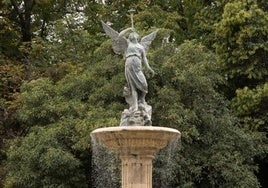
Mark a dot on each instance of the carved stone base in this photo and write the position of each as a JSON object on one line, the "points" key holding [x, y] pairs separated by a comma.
{"points": [[141, 117]]}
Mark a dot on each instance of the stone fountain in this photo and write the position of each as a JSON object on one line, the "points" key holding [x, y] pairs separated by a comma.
{"points": [[135, 139], [137, 146]]}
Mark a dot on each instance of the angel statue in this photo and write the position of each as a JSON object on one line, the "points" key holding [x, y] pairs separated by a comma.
{"points": [[134, 52]]}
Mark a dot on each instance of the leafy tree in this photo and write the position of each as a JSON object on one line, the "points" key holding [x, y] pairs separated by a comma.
{"points": [[34, 16], [249, 105], [243, 53], [242, 48], [242, 31], [51, 107], [11, 77], [45, 160], [212, 151]]}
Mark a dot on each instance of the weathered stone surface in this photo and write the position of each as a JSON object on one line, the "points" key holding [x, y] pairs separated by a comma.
{"points": [[137, 171], [141, 117]]}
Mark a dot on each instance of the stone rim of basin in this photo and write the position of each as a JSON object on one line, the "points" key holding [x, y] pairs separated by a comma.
{"points": [[135, 139]]}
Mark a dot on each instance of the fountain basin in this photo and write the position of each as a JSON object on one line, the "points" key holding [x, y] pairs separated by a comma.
{"points": [[135, 139]]}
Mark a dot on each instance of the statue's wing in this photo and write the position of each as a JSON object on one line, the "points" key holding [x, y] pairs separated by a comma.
{"points": [[110, 31], [147, 40], [119, 44]]}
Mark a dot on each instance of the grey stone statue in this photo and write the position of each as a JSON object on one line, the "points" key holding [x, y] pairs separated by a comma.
{"points": [[139, 112]]}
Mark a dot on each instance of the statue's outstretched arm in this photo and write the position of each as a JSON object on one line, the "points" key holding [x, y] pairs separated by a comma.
{"points": [[124, 32], [145, 61]]}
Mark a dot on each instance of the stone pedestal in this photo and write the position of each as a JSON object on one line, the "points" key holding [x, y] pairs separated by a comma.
{"points": [[136, 171], [137, 146]]}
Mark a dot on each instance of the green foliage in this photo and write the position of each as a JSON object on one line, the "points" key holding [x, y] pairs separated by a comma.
{"points": [[43, 159], [250, 106], [70, 108], [10, 81], [188, 101], [205, 17], [242, 34], [242, 48], [11, 76], [155, 16]]}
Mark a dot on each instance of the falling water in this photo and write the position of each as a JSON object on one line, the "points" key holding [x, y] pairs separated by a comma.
{"points": [[106, 167], [164, 165]]}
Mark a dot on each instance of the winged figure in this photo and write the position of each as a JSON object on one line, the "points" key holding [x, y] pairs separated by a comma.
{"points": [[134, 53]]}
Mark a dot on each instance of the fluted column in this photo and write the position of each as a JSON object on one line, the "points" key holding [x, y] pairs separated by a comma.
{"points": [[137, 171]]}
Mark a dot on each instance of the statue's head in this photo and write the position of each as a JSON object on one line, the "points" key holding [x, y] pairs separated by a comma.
{"points": [[133, 37]]}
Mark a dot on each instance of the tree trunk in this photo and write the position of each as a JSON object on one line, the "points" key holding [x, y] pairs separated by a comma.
{"points": [[24, 17]]}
